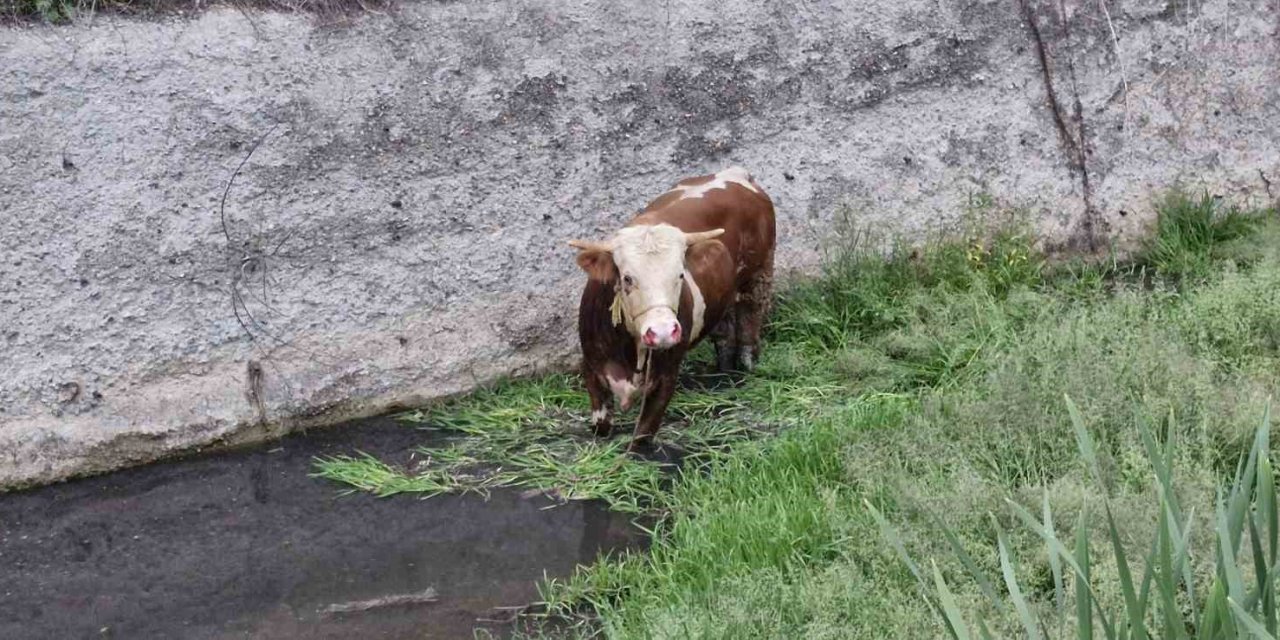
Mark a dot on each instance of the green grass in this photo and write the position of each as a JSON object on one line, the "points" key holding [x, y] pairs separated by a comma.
{"points": [[1161, 603], [532, 434], [524, 434], [929, 385]]}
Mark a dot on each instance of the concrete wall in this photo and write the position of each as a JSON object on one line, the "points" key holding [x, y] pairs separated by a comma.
{"points": [[400, 232]]}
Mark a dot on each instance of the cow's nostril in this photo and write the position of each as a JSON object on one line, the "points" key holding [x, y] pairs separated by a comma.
{"points": [[650, 337], [675, 332]]}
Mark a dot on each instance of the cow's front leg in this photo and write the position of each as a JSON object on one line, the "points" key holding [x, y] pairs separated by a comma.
{"points": [[601, 405], [656, 399]]}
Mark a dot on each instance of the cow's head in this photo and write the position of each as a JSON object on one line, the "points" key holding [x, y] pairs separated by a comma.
{"points": [[645, 265]]}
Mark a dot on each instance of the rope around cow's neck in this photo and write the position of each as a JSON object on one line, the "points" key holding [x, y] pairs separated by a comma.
{"points": [[644, 382], [618, 311]]}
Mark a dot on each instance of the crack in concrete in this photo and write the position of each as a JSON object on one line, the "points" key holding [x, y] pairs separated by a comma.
{"points": [[1075, 149], [254, 390]]}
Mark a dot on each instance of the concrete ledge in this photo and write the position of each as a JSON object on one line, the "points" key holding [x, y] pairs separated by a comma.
{"points": [[398, 234]]}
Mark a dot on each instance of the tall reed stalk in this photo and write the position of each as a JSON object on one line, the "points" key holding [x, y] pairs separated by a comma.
{"points": [[1162, 602]]}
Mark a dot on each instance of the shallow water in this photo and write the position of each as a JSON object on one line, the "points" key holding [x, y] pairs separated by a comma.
{"points": [[245, 545]]}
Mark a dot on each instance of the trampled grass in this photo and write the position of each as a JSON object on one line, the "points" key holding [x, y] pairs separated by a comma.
{"points": [[532, 434], [930, 385]]}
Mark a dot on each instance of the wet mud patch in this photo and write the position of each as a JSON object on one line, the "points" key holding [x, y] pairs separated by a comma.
{"points": [[247, 544]]}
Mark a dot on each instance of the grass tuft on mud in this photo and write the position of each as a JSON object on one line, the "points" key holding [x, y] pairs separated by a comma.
{"points": [[533, 434], [928, 386]]}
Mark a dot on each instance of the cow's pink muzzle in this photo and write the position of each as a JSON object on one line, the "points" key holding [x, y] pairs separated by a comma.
{"points": [[662, 336]]}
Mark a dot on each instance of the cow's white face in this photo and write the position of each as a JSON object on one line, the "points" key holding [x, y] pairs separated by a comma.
{"points": [[650, 261], [646, 266]]}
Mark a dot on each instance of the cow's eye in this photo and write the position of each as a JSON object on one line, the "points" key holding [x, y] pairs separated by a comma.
{"points": [[627, 280], [682, 276]]}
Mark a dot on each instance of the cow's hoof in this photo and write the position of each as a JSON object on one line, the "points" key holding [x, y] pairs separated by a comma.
{"points": [[724, 360], [601, 423], [748, 360], [640, 446]]}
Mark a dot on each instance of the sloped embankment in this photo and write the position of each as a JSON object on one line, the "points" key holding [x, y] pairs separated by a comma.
{"points": [[223, 225]]}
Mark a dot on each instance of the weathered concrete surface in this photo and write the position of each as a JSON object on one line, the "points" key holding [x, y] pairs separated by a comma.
{"points": [[400, 232]]}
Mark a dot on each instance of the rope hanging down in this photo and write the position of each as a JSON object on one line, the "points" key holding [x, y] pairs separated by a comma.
{"points": [[617, 314], [641, 352]]}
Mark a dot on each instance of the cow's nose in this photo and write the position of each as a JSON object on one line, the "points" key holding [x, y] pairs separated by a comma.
{"points": [[650, 338], [675, 333]]}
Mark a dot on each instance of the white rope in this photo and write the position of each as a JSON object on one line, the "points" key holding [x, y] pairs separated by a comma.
{"points": [[644, 383]]}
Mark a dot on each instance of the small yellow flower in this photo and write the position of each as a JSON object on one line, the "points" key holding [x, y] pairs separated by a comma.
{"points": [[976, 253]]}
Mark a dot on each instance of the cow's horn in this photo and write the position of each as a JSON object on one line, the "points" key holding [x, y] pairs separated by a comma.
{"points": [[591, 245], [694, 238]]}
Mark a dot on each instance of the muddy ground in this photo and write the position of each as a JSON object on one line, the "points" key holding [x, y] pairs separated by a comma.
{"points": [[245, 544]]}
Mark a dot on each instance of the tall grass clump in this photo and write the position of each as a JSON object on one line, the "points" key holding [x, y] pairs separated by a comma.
{"points": [[49, 11], [865, 290], [1189, 232], [1159, 588]]}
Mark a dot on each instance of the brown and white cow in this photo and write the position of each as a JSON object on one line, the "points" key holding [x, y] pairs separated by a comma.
{"points": [[697, 261]]}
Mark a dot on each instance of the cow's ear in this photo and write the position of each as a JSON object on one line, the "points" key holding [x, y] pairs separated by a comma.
{"points": [[599, 265], [697, 251], [596, 258]]}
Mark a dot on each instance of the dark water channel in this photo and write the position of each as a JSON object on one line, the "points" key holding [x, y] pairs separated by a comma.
{"points": [[245, 545]]}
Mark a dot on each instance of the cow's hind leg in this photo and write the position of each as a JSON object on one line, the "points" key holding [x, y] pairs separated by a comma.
{"points": [[750, 313], [724, 337], [601, 404]]}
